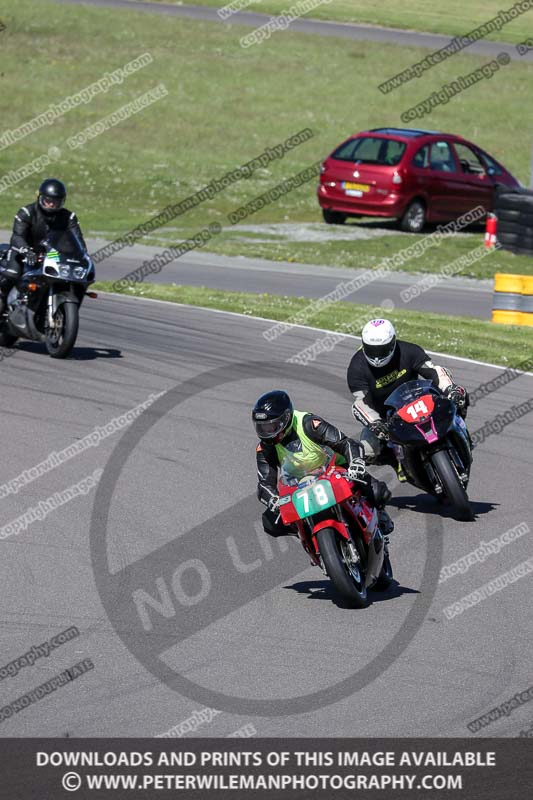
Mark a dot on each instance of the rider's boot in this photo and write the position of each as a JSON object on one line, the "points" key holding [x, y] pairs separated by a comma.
{"points": [[400, 473], [386, 525]]}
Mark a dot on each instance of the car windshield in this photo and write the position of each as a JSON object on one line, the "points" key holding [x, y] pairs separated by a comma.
{"points": [[371, 150], [66, 243], [408, 392]]}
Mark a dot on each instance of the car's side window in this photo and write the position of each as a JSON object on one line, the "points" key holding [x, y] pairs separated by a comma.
{"points": [[469, 160], [495, 169], [421, 159], [441, 158]]}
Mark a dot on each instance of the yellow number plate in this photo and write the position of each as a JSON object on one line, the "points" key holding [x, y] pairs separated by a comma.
{"points": [[362, 187]]}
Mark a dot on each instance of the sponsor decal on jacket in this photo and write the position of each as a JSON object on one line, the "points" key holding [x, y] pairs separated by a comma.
{"points": [[390, 378]]}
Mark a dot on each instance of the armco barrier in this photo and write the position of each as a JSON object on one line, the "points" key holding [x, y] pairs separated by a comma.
{"points": [[526, 301], [512, 302]]}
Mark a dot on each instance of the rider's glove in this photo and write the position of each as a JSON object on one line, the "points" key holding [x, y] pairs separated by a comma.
{"points": [[357, 470], [273, 503], [29, 256], [457, 394], [380, 429]]}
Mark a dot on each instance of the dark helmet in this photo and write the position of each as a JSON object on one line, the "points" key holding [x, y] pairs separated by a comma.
{"points": [[52, 194], [272, 415]]}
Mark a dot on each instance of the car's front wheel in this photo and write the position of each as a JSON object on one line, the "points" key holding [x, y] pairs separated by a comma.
{"points": [[414, 218], [333, 217]]}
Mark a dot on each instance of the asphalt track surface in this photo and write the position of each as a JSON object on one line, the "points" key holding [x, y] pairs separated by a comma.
{"points": [[455, 296], [342, 30], [181, 519]]}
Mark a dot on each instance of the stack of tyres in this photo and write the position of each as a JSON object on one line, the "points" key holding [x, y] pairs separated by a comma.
{"points": [[515, 221]]}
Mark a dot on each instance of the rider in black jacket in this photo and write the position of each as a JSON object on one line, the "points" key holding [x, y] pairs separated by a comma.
{"points": [[31, 225], [381, 365]]}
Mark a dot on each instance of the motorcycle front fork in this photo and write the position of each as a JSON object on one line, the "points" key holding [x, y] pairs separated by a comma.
{"points": [[51, 309]]}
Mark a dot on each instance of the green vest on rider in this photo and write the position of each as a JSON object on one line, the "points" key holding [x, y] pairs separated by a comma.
{"points": [[311, 456]]}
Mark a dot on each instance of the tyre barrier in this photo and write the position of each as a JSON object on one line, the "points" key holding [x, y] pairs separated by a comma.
{"points": [[512, 302], [514, 210]]}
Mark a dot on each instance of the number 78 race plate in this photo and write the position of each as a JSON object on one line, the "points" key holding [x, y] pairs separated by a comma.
{"points": [[313, 498]]}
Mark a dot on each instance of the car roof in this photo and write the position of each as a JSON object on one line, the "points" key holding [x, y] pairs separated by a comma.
{"points": [[410, 136], [407, 132]]}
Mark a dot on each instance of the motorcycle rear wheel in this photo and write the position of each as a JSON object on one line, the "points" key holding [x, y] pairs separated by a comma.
{"points": [[455, 491], [347, 579], [7, 339], [62, 339]]}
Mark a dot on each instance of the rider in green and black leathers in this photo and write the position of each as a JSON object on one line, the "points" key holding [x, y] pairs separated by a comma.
{"points": [[281, 430], [31, 225]]}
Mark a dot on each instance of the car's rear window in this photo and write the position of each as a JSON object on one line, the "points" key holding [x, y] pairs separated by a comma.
{"points": [[371, 150]]}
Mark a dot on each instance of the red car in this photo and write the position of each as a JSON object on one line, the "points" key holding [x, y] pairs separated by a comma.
{"points": [[416, 176]]}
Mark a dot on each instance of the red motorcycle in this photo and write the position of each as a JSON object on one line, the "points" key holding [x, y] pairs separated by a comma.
{"points": [[338, 529]]}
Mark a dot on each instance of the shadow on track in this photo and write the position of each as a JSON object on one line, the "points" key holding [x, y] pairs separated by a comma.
{"points": [[78, 354], [323, 590], [427, 504]]}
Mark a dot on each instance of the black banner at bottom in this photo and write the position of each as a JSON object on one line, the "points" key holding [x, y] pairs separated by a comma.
{"points": [[291, 769]]}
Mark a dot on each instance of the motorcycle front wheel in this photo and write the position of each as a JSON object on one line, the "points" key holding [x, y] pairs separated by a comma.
{"points": [[454, 489], [344, 574], [62, 337]]}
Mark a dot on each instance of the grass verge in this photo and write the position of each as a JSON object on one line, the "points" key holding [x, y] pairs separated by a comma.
{"points": [[225, 105], [461, 336]]}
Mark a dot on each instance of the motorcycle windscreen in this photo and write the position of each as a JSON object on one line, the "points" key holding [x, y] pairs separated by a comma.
{"points": [[409, 392], [66, 243], [304, 473], [298, 463]]}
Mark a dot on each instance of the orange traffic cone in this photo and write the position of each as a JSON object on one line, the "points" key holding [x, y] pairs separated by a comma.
{"points": [[490, 230]]}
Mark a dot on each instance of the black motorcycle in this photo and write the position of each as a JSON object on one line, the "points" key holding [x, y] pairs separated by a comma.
{"points": [[431, 441], [44, 305]]}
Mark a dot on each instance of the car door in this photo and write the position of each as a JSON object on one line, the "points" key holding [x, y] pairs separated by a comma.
{"points": [[446, 185], [420, 175], [477, 187]]}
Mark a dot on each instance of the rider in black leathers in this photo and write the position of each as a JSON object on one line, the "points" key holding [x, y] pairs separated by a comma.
{"points": [[383, 363], [31, 225]]}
